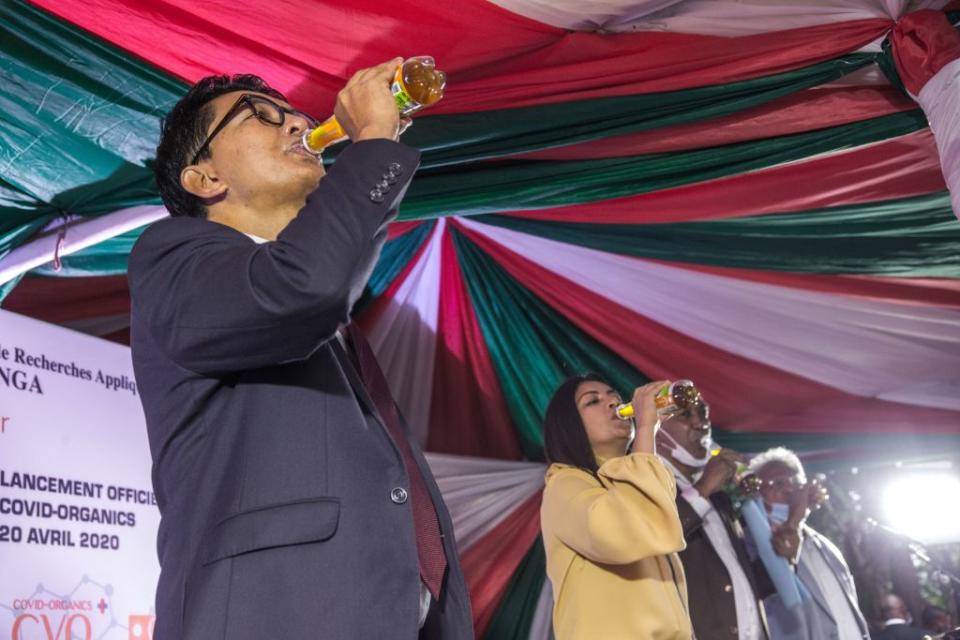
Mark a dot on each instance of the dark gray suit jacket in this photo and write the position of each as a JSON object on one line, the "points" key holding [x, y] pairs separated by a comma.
{"points": [[273, 472]]}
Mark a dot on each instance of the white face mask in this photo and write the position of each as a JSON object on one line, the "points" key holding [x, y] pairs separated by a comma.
{"points": [[779, 512], [681, 455]]}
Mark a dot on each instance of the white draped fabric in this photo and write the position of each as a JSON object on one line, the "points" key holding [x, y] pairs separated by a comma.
{"points": [[62, 240], [404, 337], [707, 17], [871, 348], [481, 492], [940, 100]]}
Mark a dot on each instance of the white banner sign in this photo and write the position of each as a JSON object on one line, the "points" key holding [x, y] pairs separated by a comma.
{"points": [[78, 517]]}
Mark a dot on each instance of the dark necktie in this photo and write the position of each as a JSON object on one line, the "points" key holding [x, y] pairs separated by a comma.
{"points": [[433, 560]]}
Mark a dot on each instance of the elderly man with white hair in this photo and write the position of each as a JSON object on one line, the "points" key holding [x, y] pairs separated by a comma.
{"points": [[829, 608]]}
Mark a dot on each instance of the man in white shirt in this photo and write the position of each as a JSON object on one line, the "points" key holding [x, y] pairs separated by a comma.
{"points": [[720, 581]]}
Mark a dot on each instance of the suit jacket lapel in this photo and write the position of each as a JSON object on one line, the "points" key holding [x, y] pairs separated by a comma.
{"points": [[360, 390], [839, 570], [354, 377]]}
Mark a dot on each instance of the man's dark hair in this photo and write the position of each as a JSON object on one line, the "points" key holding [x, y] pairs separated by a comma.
{"points": [[564, 436], [184, 130]]}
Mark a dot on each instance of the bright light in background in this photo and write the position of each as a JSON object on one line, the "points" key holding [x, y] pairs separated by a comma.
{"points": [[923, 505]]}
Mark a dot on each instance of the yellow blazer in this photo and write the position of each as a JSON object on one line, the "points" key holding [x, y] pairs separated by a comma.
{"points": [[611, 551]]}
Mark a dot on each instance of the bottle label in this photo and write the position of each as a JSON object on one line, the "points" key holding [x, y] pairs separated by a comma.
{"points": [[405, 104], [664, 400]]}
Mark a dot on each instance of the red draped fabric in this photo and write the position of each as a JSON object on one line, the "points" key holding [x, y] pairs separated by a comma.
{"points": [[923, 43]]}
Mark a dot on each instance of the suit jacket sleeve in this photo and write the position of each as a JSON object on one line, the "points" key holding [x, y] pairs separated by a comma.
{"points": [[215, 302]]}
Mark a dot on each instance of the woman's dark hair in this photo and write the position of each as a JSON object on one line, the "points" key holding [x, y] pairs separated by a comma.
{"points": [[564, 437], [184, 130]]}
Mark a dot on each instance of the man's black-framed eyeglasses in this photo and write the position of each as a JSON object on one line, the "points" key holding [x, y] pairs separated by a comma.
{"points": [[265, 110]]}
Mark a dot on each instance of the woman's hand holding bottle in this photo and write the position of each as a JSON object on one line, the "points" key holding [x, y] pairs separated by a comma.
{"points": [[647, 419]]}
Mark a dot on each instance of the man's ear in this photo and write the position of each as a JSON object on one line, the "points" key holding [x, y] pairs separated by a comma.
{"points": [[202, 182]]}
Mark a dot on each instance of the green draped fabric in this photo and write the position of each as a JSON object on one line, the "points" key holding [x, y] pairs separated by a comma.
{"points": [[910, 237], [514, 185], [21, 226], [515, 321]]}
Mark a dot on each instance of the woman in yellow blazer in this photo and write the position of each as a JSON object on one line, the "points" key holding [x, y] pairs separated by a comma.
{"points": [[609, 519]]}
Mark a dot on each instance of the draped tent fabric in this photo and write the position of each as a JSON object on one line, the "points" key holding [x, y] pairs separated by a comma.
{"points": [[710, 17], [507, 60], [940, 99], [675, 297], [818, 107], [778, 397], [899, 167], [494, 505], [403, 335], [729, 191]]}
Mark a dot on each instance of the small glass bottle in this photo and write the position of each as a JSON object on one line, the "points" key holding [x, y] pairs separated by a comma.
{"points": [[671, 399], [417, 84]]}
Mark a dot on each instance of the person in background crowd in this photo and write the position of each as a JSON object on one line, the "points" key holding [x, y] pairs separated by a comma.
{"points": [[935, 619], [609, 517], [720, 576], [830, 609], [896, 620]]}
